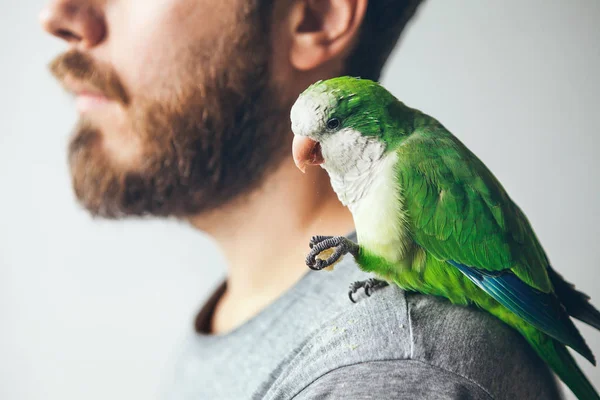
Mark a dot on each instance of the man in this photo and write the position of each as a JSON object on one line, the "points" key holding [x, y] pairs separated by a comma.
{"points": [[184, 111]]}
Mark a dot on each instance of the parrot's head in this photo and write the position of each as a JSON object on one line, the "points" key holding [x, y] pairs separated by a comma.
{"points": [[343, 124]]}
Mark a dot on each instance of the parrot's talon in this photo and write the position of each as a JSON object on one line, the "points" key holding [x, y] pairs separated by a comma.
{"points": [[369, 286], [318, 244], [319, 265], [350, 296]]}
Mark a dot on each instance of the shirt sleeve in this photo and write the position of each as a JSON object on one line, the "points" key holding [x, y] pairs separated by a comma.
{"points": [[395, 379]]}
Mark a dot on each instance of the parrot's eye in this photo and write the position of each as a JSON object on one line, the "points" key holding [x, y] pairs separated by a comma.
{"points": [[333, 124]]}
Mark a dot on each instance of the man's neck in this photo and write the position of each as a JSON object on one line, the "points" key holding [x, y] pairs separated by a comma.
{"points": [[265, 239]]}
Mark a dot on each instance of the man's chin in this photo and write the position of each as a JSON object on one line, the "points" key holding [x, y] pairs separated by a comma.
{"points": [[97, 171], [113, 138], [122, 153], [113, 178]]}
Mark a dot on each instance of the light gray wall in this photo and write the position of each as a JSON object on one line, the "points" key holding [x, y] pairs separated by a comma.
{"points": [[92, 309]]}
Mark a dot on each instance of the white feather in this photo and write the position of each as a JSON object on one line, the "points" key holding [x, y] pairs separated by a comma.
{"points": [[364, 178]]}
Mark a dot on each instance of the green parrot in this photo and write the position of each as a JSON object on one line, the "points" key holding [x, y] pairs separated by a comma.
{"points": [[431, 218]]}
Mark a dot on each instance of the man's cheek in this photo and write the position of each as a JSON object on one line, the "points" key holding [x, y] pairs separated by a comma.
{"points": [[152, 75], [142, 53]]}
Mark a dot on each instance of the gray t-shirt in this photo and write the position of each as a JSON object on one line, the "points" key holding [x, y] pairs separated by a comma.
{"points": [[313, 343]]}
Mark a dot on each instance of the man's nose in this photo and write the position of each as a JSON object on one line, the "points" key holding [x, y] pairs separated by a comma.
{"points": [[76, 21]]}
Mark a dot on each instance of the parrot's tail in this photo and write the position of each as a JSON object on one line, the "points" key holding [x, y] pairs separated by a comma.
{"points": [[576, 303], [556, 355]]}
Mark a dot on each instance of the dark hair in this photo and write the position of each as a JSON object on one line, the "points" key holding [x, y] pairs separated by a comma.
{"points": [[384, 22]]}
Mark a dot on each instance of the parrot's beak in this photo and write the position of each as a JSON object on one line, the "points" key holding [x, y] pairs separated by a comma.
{"points": [[306, 152]]}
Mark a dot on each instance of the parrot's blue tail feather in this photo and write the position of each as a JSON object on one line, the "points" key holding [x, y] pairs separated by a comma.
{"points": [[576, 303], [542, 310]]}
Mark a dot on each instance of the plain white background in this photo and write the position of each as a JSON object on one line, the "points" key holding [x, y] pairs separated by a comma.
{"points": [[95, 309]]}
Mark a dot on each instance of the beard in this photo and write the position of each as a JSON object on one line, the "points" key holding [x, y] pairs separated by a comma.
{"points": [[212, 140]]}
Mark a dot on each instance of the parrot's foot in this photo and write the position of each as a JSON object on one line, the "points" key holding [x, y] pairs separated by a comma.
{"points": [[318, 244], [369, 285]]}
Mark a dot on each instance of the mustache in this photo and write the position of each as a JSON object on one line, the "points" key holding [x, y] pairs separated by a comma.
{"points": [[83, 68]]}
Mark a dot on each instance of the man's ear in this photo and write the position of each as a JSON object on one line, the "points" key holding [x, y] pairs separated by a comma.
{"points": [[323, 30]]}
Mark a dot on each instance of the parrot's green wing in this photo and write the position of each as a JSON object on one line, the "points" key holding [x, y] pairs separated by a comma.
{"points": [[460, 213]]}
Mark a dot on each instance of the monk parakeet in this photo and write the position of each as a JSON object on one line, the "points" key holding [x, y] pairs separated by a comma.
{"points": [[431, 218]]}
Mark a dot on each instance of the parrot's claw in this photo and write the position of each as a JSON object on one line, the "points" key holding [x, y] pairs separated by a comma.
{"points": [[318, 244], [369, 285]]}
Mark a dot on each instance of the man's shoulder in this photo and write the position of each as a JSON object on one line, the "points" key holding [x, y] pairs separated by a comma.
{"points": [[395, 324], [474, 344], [397, 327]]}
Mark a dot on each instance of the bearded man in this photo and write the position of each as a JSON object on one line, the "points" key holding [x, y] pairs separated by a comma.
{"points": [[184, 112]]}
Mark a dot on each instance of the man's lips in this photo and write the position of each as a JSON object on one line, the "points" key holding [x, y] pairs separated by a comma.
{"points": [[86, 101], [306, 152], [87, 96]]}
